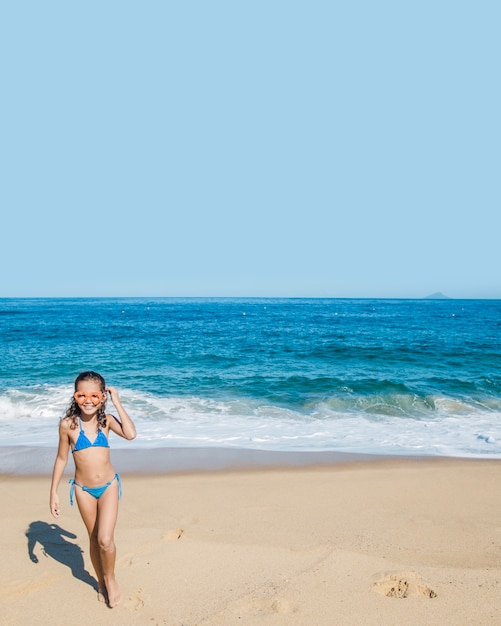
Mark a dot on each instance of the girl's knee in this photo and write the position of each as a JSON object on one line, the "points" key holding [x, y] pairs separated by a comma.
{"points": [[106, 542]]}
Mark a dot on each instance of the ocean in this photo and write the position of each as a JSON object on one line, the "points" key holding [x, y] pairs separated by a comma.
{"points": [[364, 376]]}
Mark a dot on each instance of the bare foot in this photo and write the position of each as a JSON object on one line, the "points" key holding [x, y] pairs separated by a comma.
{"points": [[102, 594], [114, 595]]}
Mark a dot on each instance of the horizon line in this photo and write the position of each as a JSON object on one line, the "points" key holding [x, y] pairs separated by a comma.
{"points": [[129, 297]]}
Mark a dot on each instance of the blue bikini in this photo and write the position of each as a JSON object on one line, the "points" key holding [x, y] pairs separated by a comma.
{"points": [[82, 443]]}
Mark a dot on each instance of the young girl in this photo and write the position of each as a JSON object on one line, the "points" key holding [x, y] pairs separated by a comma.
{"points": [[96, 486]]}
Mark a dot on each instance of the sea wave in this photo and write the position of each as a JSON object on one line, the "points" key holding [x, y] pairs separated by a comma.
{"points": [[398, 422]]}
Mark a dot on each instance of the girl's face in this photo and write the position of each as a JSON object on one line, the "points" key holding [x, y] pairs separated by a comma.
{"points": [[89, 397]]}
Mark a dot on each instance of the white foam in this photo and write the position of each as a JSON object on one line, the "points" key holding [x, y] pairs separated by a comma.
{"points": [[452, 428]]}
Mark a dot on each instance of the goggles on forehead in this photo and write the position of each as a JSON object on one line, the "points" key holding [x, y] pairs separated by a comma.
{"points": [[95, 397]]}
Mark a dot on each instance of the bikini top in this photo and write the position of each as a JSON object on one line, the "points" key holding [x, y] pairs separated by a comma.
{"points": [[83, 441]]}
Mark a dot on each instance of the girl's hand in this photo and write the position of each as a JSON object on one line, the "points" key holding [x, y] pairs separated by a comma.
{"points": [[113, 395], [54, 506]]}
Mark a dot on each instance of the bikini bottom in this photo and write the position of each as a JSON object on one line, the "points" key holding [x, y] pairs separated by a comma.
{"points": [[97, 492]]}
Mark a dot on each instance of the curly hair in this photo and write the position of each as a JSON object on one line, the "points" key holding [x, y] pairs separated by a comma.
{"points": [[75, 411]]}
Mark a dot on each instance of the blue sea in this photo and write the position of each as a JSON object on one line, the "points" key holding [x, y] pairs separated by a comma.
{"points": [[383, 377]]}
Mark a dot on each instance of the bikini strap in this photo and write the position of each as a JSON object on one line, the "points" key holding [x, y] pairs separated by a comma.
{"points": [[72, 489]]}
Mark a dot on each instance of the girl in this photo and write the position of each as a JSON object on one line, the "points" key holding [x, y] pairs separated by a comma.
{"points": [[96, 486]]}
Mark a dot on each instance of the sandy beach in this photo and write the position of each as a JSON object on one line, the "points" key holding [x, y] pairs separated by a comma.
{"points": [[389, 541]]}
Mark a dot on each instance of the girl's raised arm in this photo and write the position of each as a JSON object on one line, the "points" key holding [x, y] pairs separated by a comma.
{"points": [[126, 426]]}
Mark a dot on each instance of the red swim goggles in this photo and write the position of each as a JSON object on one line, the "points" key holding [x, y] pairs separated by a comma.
{"points": [[95, 397]]}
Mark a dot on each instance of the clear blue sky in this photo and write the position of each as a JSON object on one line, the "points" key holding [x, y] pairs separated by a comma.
{"points": [[250, 148]]}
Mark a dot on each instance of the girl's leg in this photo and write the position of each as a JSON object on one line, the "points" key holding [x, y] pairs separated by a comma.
{"points": [[88, 508], [107, 513]]}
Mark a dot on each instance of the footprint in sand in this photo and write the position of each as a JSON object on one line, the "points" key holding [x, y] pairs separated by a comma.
{"points": [[264, 606], [173, 535], [402, 585], [135, 601], [283, 606]]}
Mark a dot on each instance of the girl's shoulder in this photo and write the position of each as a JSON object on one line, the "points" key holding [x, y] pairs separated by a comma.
{"points": [[67, 423]]}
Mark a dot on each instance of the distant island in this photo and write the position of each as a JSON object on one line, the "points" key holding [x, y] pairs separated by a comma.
{"points": [[438, 295]]}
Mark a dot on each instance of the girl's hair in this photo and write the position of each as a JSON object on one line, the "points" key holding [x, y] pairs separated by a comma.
{"points": [[74, 410]]}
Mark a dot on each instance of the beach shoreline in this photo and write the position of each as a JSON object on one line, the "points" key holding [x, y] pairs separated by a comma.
{"points": [[39, 460], [379, 541]]}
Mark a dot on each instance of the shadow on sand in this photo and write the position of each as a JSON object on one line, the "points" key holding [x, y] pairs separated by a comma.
{"points": [[52, 539]]}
